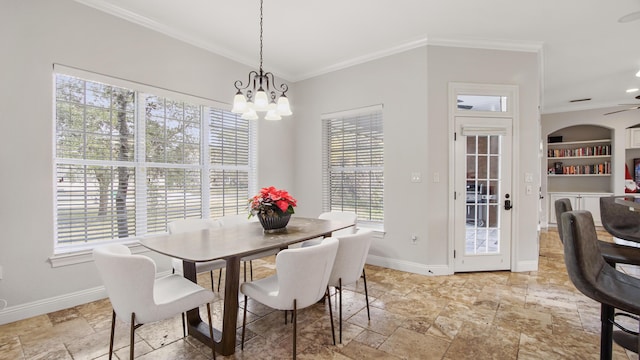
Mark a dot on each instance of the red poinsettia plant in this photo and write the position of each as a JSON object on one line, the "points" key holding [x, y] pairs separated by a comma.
{"points": [[272, 202]]}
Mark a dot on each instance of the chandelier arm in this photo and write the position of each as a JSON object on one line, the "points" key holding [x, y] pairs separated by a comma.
{"points": [[284, 88], [238, 83]]}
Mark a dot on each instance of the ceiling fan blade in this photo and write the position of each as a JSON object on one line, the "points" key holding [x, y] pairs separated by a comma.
{"points": [[630, 17], [615, 112]]}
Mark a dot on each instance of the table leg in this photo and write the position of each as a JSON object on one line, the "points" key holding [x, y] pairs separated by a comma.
{"points": [[225, 340]]}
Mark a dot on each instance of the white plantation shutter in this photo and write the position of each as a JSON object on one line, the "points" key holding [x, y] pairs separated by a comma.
{"points": [[131, 158], [232, 144], [353, 163], [95, 177]]}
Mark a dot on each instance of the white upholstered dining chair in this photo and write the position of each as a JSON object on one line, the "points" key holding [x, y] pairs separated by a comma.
{"points": [[349, 265], [342, 216], [186, 225], [301, 279], [232, 220], [138, 298]]}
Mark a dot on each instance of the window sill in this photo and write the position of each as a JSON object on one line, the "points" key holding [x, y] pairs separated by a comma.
{"points": [[86, 255], [378, 229]]}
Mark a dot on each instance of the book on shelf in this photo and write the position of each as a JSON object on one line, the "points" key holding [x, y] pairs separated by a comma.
{"points": [[597, 150], [593, 169]]}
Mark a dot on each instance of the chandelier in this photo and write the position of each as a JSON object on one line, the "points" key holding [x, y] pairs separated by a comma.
{"points": [[261, 94]]}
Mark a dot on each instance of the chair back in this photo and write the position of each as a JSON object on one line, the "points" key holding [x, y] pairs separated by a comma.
{"points": [[128, 279], [303, 273], [343, 216], [581, 252], [186, 225], [562, 206], [618, 220], [351, 256], [232, 220]]}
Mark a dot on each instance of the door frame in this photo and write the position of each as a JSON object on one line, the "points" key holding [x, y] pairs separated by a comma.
{"points": [[512, 111]]}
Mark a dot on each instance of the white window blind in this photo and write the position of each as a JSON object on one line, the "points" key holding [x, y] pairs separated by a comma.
{"points": [[129, 161], [95, 175], [232, 179], [353, 163]]}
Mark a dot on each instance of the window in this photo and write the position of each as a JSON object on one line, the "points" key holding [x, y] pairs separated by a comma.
{"points": [[353, 163], [130, 158], [231, 146]]}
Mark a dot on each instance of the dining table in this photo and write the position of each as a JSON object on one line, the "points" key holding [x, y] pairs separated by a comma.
{"points": [[232, 243], [630, 201]]}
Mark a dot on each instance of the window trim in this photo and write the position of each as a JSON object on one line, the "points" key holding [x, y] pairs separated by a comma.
{"points": [[78, 253], [377, 226]]}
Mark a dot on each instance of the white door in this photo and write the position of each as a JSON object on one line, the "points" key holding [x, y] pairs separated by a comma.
{"points": [[482, 206]]}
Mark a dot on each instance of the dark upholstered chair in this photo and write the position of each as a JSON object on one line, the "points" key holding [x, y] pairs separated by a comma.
{"points": [[598, 280], [612, 253], [618, 220]]}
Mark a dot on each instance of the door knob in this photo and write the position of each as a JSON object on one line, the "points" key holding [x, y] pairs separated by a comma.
{"points": [[507, 203]]}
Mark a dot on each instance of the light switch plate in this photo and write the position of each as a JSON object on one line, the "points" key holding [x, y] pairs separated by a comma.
{"points": [[416, 177]]}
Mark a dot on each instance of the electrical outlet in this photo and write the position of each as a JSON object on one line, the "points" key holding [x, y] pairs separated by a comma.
{"points": [[414, 240]]}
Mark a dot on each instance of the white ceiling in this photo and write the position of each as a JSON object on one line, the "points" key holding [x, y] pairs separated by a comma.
{"points": [[586, 52]]}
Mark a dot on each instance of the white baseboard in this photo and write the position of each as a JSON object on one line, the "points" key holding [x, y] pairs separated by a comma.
{"points": [[44, 306], [56, 303], [408, 266], [529, 265]]}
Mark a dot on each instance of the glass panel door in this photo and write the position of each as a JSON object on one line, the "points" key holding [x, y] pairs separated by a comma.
{"points": [[482, 225]]}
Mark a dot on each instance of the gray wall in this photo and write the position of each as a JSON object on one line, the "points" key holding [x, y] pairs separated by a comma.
{"points": [[33, 36], [495, 67], [412, 85]]}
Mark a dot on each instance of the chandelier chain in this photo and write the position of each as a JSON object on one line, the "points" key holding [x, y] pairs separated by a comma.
{"points": [[260, 35]]}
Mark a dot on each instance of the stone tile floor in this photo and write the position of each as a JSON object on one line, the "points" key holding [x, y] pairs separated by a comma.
{"points": [[489, 315]]}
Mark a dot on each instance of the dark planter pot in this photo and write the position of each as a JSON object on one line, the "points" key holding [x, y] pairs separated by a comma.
{"points": [[274, 223]]}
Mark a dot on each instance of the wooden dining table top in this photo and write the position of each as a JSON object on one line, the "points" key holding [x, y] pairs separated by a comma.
{"points": [[238, 240]]}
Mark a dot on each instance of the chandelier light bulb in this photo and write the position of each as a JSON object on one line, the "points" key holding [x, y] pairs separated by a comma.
{"points": [[239, 104], [272, 115], [250, 115], [283, 106], [261, 101]]}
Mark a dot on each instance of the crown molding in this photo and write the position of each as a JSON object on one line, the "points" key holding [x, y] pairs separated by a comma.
{"points": [[199, 42], [489, 44], [413, 44], [507, 45]]}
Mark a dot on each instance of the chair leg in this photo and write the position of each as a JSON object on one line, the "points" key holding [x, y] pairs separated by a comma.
{"points": [[366, 293], [244, 321], [245, 271], [211, 275], [606, 331], [333, 331], [340, 306], [251, 269], [133, 330], [113, 330], [219, 279], [295, 326], [184, 328], [213, 342]]}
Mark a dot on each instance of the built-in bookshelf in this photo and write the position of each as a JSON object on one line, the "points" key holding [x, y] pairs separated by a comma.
{"points": [[579, 158]]}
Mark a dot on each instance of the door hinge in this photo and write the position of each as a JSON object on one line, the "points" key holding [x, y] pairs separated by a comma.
{"points": [[454, 254], [455, 195], [455, 136]]}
